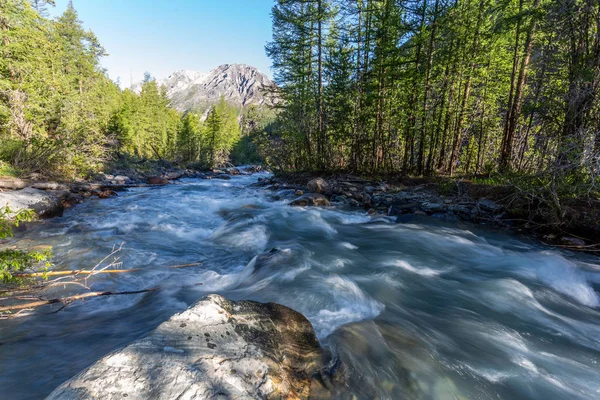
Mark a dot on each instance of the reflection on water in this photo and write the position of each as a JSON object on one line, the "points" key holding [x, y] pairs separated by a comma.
{"points": [[416, 310]]}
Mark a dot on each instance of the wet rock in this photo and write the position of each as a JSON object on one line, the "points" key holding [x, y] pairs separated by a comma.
{"points": [[60, 194], [339, 199], [318, 185], [222, 176], [254, 169], [157, 180], [217, 349], [489, 206], [234, 171], [372, 212], [433, 208], [354, 203], [105, 194], [12, 183], [45, 204], [311, 199], [298, 193], [403, 208], [72, 199]]}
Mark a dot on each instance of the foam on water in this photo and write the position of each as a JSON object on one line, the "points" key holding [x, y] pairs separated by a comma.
{"points": [[350, 304], [430, 309], [424, 271]]}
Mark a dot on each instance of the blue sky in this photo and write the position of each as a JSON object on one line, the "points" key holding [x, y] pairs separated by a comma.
{"points": [[162, 36]]}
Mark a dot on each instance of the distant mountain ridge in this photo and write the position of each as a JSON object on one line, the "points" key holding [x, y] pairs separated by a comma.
{"points": [[241, 85]]}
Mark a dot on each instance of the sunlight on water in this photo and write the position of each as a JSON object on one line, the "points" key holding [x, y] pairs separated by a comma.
{"points": [[423, 310]]}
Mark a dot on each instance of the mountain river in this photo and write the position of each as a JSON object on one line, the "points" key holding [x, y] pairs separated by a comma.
{"points": [[416, 310]]}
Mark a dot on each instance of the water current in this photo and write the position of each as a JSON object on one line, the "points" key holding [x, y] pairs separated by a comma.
{"points": [[416, 310]]}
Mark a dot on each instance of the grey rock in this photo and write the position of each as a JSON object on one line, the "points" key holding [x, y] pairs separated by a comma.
{"points": [[433, 208], [402, 208], [405, 197], [310, 199], [45, 204], [318, 185], [463, 211], [299, 192], [60, 194], [338, 199], [489, 206], [12, 183], [217, 349], [121, 178], [174, 175], [48, 186]]}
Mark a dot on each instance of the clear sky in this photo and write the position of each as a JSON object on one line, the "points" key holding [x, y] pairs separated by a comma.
{"points": [[162, 36]]}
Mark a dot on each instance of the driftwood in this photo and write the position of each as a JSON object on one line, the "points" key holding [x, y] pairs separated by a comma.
{"points": [[70, 299], [76, 278], [92, 272]]}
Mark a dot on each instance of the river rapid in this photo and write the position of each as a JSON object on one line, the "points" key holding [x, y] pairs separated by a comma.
{"points": [[415, 310]]}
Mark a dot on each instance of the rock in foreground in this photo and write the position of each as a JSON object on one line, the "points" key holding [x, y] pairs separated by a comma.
{"points": [[217, 349]]}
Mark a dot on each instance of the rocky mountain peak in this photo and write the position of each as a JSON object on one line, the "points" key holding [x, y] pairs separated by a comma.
{"points": [[240, 84]]}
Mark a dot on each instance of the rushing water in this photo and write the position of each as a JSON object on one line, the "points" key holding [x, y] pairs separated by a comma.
{"points": [[416, 310]]}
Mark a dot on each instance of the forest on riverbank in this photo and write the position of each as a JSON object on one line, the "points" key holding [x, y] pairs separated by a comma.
{"points": [[62, 117], [412, 87], [439, 86], [498, 92]]}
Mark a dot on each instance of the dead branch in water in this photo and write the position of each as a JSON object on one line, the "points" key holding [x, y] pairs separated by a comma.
{"points": [[70, 299], [102, 271]]}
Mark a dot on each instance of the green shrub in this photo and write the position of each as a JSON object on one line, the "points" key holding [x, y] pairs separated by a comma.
{"points": [[12, 260]]}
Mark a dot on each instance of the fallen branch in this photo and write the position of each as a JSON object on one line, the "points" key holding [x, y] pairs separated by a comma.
{"points": [[90, 272], [71, 299]]}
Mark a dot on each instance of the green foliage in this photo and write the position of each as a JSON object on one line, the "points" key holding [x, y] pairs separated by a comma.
{"points": [[60, 115], [55, 100], [11, 260], [8, 170], [208, 143], [435, 87]]}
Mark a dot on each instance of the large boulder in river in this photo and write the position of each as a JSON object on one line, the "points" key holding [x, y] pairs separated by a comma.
{"points": [[217, 349], [45, 204], [311, 199], [318, 185]]}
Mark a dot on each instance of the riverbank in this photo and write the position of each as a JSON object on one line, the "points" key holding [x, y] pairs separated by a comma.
{"points": [[50, 198], [500, 206]]}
